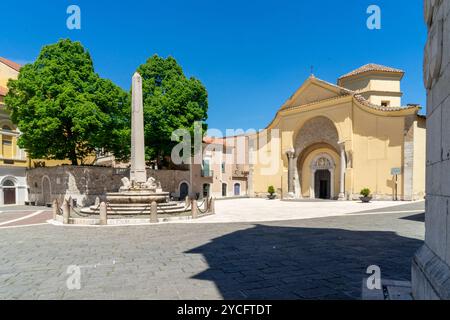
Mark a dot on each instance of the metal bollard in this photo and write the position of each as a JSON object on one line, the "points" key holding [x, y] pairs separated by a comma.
{"points": [[154, 212], [103, 214], [66, 212], [55, 208]]}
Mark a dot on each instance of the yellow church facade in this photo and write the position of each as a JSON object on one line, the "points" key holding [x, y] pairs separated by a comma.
{"points": [[336, 139]]}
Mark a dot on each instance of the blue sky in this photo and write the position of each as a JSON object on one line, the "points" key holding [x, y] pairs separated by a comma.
{"points": [[251, 55]]}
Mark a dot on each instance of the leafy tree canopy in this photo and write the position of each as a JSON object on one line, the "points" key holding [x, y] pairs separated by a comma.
{"points": [[64, 110], [171, 101]]}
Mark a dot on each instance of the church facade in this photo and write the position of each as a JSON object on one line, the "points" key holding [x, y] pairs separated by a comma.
{"points": [[337, 139]]}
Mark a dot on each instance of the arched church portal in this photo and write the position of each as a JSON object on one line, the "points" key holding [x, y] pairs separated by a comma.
{"points": [[316, 132], [322, 177]]}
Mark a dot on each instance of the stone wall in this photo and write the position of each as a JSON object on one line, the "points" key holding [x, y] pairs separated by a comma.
{"points": [[85, 183], [430, 269]]}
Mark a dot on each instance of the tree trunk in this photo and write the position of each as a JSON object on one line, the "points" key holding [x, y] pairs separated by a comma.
{"points": [[73, 151], [158, 160], [73, 157]]}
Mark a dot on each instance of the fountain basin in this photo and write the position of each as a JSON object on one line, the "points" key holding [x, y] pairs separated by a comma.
{"points": [[138, 209], [137, 197]]}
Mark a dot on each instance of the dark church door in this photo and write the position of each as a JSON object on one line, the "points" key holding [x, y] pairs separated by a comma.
{"points": [[184, 191], [9, 195], [322, 184]]}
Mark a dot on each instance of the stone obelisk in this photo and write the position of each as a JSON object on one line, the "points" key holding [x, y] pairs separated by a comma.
{"points": [[138, 175]]}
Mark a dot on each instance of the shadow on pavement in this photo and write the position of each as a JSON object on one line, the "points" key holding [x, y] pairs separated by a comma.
{"points": [[416, 217], [271, 262]]}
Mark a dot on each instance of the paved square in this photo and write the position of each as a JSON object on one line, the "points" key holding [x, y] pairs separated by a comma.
{"points": [[321, 258]]}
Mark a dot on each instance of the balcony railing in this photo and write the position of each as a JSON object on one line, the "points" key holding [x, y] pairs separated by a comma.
{"points": [[207, 173]]}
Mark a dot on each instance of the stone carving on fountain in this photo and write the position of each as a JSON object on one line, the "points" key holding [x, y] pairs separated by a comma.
{"points": [[150, 185], [126, 184]]}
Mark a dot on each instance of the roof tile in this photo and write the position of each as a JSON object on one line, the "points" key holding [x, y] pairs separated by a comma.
{"points": [[371, 67], [11, 64]]}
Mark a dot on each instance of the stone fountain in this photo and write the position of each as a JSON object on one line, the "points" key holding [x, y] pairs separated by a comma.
{"points": [[137, 193]]}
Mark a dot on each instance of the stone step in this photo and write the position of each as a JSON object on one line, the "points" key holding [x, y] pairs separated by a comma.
{"points": [[143, 205], [135, 211], [139, 207], [126, 210]]}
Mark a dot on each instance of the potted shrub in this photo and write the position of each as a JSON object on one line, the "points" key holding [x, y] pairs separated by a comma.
{"points": [[271, 191], [365, 195]]}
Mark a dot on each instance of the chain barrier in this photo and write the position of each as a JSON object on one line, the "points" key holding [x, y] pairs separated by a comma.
{"points": [[60, 211], [78, 212], [199, 207], [186, 208]]}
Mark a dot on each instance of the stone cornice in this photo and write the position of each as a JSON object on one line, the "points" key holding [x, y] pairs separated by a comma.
{"points": [[378, 92], [384, 111]]}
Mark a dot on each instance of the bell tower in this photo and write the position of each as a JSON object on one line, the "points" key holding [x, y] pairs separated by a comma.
{"points": [[378, 84]]}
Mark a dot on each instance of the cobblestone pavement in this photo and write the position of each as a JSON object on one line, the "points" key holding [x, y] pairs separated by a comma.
{"points": [[322, 258]]}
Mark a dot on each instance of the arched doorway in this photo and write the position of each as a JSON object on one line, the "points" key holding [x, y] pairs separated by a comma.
{"points": [[316, 133], [322, 184], [237, 189], [224, 189], [322, 177], [184, 190], [9, 192]]}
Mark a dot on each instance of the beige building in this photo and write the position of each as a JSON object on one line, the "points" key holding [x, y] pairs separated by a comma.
{"points": [[13, 160], [221, 174], [330, 141]]}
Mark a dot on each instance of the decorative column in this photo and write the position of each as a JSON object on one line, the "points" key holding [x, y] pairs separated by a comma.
{"points": [[138, 174], [312, 184], [332, 183], [297, 181], [291, 174], [342, 172]]}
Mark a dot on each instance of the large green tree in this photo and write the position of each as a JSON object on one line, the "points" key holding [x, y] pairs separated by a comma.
{"points": [[171, 101], [64, 110]]}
